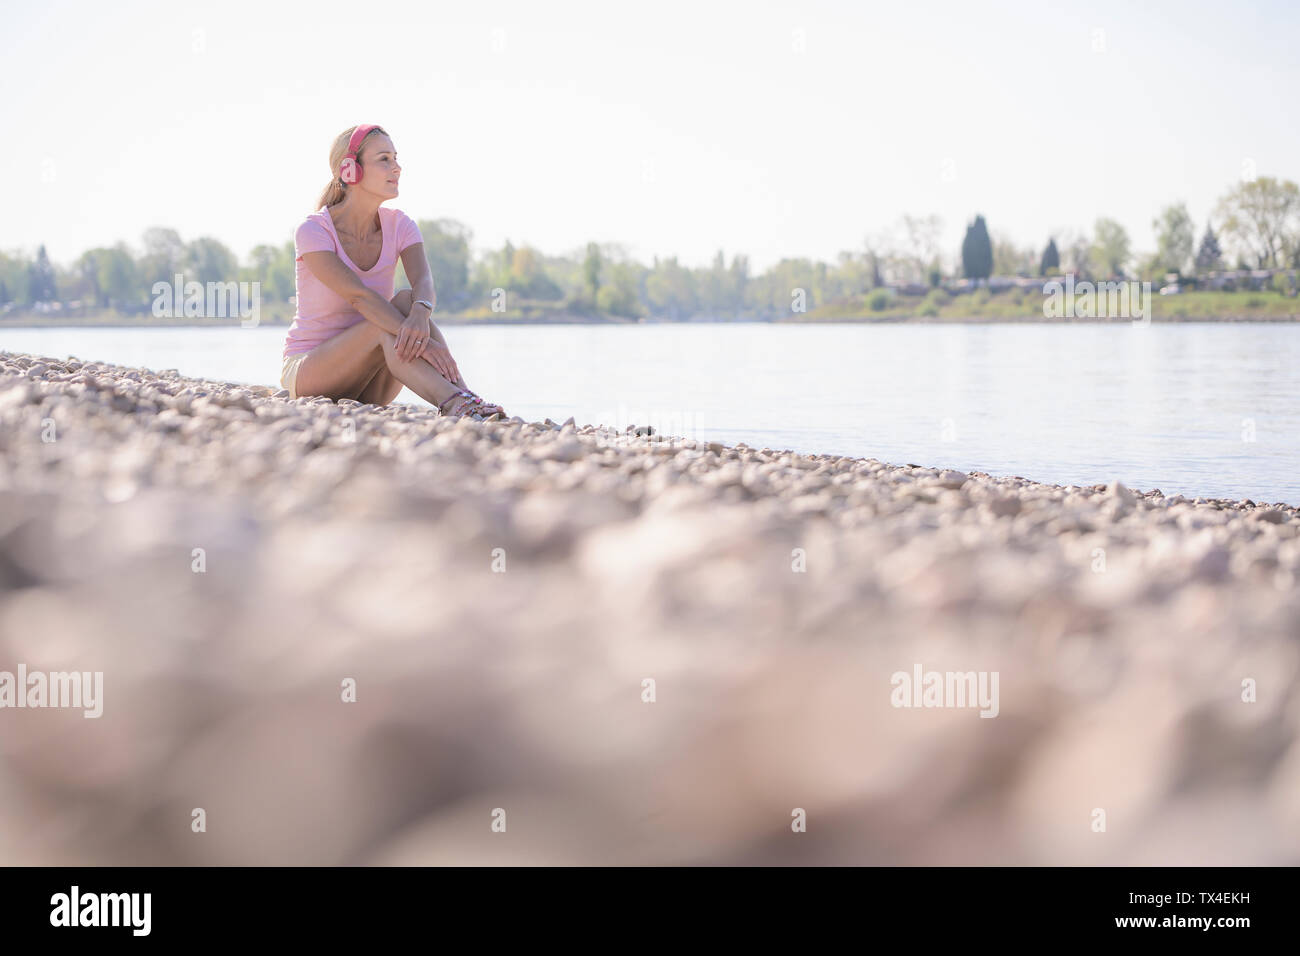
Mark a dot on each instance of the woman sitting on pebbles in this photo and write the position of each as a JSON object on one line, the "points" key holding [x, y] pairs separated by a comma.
{"points": [[351, 337]]}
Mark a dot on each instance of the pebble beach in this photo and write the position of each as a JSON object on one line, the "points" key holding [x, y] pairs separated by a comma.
{"points": [[369, 635]]}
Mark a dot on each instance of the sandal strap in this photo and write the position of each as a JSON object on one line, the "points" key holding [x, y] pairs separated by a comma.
{"points": [[466, 398]]}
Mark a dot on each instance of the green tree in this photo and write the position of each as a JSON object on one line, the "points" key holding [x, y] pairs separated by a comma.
{"points": [[164, 256], [88, 270], [207, 260], [711, 285], [447, 247], [14, 272], [1261, 217], [1009, 259], [494, 270], [273, 268], [1050, 263], [528, 277], [849, 279], [977, 251], [40, 283], [261, 262], [618, 295], [921, 246], [670, 289], [1111, 251], [789, 283], [1209, 257], [1175, 237], [737, 283], [720, 289], [880, 251], [119, 276], [1076, 251], [591, 270], [284, 273]]}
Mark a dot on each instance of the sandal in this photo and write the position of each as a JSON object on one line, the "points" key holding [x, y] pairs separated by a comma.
{"points": [[488, 410], [466, 403]]}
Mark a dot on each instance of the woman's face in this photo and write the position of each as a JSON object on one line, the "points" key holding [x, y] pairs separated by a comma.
{"points": [[380, 171]]}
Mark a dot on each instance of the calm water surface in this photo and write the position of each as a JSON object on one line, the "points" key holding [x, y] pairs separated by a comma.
{"points": [[1197, 409]]}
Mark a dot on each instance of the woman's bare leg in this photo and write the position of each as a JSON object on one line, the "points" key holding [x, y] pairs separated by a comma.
{"points": [[383, 387], [360, 363]]}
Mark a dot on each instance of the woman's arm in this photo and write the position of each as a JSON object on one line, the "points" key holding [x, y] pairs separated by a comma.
{"points": [[417, 271], [421, 279], [412, 331], [338, 278]]}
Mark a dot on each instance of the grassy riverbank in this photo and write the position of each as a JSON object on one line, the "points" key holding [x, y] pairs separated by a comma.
{"points": [[880, 306], [1015, 305]]}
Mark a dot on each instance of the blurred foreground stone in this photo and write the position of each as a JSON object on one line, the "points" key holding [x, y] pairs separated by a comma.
{"points": [[501, 592]]}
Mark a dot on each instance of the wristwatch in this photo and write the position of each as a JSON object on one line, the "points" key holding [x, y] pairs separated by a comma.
{"points": [[424, 302]]}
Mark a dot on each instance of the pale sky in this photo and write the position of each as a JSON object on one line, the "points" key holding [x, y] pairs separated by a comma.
{"points": [[769, 128]]}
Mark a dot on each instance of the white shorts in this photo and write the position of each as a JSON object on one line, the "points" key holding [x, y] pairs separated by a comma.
{"points": [[289, 372]]}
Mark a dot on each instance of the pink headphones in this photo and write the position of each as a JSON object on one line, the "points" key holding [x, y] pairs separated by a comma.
{"points": [[350, 170]]}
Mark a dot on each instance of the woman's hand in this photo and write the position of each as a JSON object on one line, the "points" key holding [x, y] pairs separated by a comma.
{"points": [[439, 356], [416, 333]]}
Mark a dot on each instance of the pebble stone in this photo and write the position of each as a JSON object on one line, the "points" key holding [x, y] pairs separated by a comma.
{"points": [[648, 648]]}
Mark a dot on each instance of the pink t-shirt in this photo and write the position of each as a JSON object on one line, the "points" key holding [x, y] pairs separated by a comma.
{"points": [[322, 313]]}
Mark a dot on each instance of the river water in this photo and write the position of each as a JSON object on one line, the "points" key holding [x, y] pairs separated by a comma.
{"points": [[1208, 409]]}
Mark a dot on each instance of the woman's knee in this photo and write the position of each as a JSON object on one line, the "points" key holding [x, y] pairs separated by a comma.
{"points": [[402, 302], [388, 342]]}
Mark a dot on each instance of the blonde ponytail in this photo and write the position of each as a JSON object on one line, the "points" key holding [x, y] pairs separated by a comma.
{"points": [[336, 189]]}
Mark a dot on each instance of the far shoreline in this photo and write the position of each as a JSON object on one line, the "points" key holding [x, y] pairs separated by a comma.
{"points": [[63, 322]]}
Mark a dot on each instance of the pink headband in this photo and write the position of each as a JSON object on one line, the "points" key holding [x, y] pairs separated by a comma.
{"points": [[349, 171], [360, 133]]}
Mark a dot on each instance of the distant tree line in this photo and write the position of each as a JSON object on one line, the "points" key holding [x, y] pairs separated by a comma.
{"points": [[1259, 219], [1258, 224]]}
